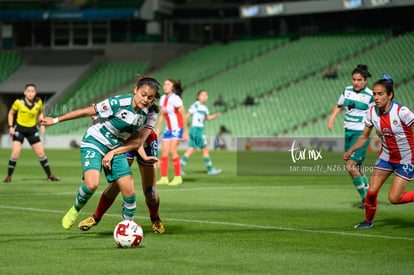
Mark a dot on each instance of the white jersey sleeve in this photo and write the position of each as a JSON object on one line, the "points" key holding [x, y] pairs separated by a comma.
{"points": [[152, 119], [104, 108], [368, 117], [192, 109], [406, 116], [341, 100], [177, 101]]}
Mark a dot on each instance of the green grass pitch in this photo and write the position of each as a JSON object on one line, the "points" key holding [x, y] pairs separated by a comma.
{"points": [[224, 224]]}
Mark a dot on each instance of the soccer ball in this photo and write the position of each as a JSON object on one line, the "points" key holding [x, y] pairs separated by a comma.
{"points": [[128, 234]]}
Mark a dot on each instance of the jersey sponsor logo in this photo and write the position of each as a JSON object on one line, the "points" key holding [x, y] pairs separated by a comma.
{"points": [[353, 119], [351, 105], [386, 132]]}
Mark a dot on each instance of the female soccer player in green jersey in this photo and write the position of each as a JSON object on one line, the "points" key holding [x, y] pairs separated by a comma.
{"points": [[118, 118], [200, 113], [356, 100]]}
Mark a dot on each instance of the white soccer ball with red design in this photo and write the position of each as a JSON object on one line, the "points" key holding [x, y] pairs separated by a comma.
{"points": [[128, 234]]}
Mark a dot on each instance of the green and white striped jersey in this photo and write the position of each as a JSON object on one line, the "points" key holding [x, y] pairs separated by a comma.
{"points": [[199, 111], [356, 105], [116, 121]]}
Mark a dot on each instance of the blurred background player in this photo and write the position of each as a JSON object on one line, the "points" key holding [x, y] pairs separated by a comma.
{"points": [[172, 110], [28, 110], [118, 118], [148, 169], [200, 113], [219, 140], [356, 100], [395, 124]]}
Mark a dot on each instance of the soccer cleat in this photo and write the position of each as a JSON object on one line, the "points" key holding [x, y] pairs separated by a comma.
{"points": [[87, 224], [8, 179], [364, 225], [163, 180], [53, 178], [177, 180], [214, 171], [158, 226], [70, 217]]}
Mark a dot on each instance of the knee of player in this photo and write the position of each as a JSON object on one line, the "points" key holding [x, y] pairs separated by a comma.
{"points": [[351, 166], [393, 198], [93, 186], [205, 151]]}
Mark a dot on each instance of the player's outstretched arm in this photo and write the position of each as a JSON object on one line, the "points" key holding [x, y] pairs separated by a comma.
{"points": [[213, 116], [86, 112]]}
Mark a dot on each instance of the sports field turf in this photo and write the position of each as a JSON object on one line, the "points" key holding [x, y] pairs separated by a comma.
{"points": [[224, 224]]}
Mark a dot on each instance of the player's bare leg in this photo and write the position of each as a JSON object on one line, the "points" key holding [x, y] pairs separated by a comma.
{"points": [[148, 178]]}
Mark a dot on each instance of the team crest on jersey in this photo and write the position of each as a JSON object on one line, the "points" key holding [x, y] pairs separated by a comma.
{"points": [[87, 163], [395, 122]]}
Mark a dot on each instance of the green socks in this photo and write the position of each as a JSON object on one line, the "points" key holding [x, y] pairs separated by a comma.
{"points": [[184, 161], [360, 186], [129, 205], [84, 194], [208, 163]]}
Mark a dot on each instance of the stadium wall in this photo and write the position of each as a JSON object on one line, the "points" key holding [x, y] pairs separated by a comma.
{"points": [[156, 54]]}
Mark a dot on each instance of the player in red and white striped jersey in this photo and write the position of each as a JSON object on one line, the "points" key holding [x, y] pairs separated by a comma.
{"points": [[394, 122], [172, 110]]}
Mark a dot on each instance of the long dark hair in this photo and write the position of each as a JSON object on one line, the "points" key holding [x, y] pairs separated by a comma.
{"points": [[178, 87], [362, 69]]}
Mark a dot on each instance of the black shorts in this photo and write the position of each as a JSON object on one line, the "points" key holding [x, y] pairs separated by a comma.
{"points": [[31, 133]]}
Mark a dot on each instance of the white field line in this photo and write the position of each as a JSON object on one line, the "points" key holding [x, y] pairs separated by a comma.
{"points": [[173, 189], [255, 226]]}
